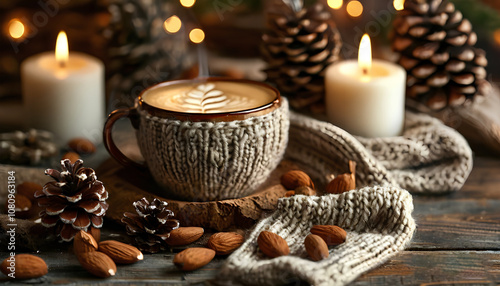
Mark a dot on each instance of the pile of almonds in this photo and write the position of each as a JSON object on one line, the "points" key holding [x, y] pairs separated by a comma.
{"points": [[100, 258], [316, 243], [79, 146], [299, 183], [221, 243]]}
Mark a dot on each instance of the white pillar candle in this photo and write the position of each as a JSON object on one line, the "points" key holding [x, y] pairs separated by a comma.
{"points": [[366, 97], [64, 95]]}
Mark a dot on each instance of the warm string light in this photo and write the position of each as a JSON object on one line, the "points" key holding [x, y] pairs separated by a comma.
{"points": [[335, 4], [399, 5], [354, 8], [196, 35], [365, 55], [187, 3], [62, 50], [172, 25], [16, 29]]}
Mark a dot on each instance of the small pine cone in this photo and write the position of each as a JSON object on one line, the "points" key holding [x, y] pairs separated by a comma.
{"points": [[75, 201], [298, 46], [151, 226], [437, 49]]}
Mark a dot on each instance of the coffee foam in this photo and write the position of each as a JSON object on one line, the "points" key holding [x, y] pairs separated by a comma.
{"points": [[209, 97]]}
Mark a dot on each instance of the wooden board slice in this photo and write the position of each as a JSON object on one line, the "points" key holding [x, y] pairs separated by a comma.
{"points": [[127, 185]]}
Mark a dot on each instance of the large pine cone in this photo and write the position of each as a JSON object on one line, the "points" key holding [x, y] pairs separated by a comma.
{"points": [[151, 226], [297, 47], [75, 201], [437, 49]]}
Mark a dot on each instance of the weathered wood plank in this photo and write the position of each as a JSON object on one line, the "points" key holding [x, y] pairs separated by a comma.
{"points": [[464, 220], [407, 268], [436, 268], [457, 224]]}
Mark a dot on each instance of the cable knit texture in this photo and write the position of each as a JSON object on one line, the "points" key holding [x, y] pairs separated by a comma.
{"points": [[378, 222], [204, 161], [428, 158]]}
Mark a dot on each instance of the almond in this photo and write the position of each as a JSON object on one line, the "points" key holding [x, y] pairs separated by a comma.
{"points": [[331, 234], [120, 252], [294, 179], [272, 244], [82, 146], [84, 242], [184, 236], [193, 258], [24, 266], [305, 190], [97, 263], [289, 194], [316, 247], [225, 243], [28, 189], [343, 182], [71, 156]]}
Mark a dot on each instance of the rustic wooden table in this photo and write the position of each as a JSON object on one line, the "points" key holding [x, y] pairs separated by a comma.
{"points": [[457, 243]]}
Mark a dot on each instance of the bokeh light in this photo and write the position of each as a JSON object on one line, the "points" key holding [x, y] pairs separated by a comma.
{"points": [[187, 3], [399, 5], [16, 29], [172, 25], [335, 4], [196, 35], [354, 8]]}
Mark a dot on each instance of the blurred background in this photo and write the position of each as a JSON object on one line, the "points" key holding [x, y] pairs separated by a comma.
{"points": [[143, 42]]}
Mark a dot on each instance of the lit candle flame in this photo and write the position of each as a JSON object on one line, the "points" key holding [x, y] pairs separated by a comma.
{"points": [[16, 29], [365, 54], [399, 5], [62, 50]]}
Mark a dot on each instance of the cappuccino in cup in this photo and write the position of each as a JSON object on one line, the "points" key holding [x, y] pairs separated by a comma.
{"points": [[210, 97], [207, 139]]}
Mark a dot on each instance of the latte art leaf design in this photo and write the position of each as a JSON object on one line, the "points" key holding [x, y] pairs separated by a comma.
{"points": [[204, 98]]}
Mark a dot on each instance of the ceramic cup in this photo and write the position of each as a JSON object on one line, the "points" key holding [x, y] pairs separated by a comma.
{"points": [[207, 139]]}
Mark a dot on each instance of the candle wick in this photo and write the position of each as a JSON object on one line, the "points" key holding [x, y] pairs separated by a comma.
{"points": [[62, 64], [365, 71]]}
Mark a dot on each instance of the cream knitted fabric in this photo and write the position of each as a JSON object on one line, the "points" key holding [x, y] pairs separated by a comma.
{"points": [[428, 158], [213, 160], [377, 220]]}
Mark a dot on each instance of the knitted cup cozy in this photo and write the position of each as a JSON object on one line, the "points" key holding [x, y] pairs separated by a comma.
{"points": [[203, 161], [428, 157], [378, 222]]}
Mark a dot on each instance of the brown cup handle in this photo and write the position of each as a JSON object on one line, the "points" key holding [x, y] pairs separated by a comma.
{"points": [[110, 145]]}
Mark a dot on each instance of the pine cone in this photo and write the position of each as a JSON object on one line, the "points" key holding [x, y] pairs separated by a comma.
{"points": [[297, 47], [30, 147], [437, 49], [75, 201], [151, 226]]}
